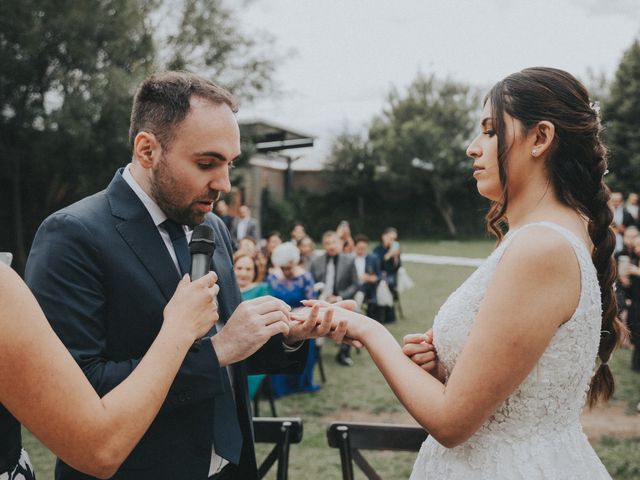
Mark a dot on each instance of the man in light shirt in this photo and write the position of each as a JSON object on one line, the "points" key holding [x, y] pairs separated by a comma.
{"points": [[243, 225]]}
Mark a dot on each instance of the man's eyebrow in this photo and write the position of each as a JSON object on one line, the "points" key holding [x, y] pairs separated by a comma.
{"points": [[213, 154]]}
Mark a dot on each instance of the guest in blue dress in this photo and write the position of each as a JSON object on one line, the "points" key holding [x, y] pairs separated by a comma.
{"points": [[291, 283]]}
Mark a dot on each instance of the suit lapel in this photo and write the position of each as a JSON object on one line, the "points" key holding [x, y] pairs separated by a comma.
{"points": [[141, 235], [228, 297]]}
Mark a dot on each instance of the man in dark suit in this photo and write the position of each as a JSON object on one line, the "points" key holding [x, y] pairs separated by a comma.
{"points": [[243, 225], [337, 272], [104, 268], [368, 268]]}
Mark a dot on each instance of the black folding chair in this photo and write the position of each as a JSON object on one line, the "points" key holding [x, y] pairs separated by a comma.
{"points": [[282, 432], [264, 390], [318, 349], [350, 438]]}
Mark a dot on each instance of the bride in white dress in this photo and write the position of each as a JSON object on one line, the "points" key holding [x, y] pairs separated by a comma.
{"points": [[525, 340]]}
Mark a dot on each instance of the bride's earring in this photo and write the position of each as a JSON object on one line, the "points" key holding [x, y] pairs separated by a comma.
{"points": [[534, 152]]}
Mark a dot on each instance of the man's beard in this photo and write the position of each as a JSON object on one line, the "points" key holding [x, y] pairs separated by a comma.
{"points": [[165, 190]]}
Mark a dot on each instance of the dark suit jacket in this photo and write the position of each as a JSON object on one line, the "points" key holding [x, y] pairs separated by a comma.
{"points": [[103, 275], [346, 284], [372, 267]]}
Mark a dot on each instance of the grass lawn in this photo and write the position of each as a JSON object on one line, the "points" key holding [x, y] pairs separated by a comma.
{"points": [[361, 394]]}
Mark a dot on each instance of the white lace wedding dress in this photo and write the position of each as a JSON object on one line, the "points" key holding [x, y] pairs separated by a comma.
{"points": [[536, 432]]}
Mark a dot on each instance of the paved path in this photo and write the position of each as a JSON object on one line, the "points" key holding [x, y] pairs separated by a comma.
{"points": [[441, 260]]}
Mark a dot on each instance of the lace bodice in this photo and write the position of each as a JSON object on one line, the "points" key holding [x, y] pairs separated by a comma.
{"points": [[536, 432]]}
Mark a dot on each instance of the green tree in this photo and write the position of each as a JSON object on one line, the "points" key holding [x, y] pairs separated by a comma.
{"points": [[67, 73], [622, 122], [420, 141], [352, 168], [65, 69], [207, 39]]}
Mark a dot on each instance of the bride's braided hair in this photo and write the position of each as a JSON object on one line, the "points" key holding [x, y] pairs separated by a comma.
{"points": [[576, 164]]}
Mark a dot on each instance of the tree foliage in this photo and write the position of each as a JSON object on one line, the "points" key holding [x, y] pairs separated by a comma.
{"points": [[67, 74], [622, 122], [415, 157]]}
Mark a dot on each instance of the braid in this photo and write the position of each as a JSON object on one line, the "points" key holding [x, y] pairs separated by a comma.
{"points": [[604, 241]]}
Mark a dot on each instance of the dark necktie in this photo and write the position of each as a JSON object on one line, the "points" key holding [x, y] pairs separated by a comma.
{"points": [[179, 241], [227, 436]]}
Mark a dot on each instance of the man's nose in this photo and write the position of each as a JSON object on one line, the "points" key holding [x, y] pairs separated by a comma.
{"points": [[221, 182]]}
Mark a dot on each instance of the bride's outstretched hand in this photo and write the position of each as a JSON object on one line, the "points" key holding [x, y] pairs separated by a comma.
{"points": [[419, 348], [346, 322]]}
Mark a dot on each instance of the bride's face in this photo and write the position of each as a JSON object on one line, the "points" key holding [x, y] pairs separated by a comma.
{"points": [[484, 151]]}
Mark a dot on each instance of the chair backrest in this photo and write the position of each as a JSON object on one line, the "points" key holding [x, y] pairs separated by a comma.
{"points": [[351, 437], [282, 431]]}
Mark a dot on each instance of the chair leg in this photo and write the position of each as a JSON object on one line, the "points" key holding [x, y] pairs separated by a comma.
{"points": [[272, 403], [320, 364], [345, 454], [400, 312], [283, 457]]}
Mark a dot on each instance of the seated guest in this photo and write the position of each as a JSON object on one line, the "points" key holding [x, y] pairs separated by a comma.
{"points": [[273, 239], [249, 245], [344, 233], [337, 277], [621, 217], [288, 281], [245, 267], [298, 232], [368, 268], [292, 284], [307, 251], [389, 254]]}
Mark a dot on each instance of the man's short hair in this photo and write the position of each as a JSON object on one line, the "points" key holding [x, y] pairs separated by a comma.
{"points": [[163, 100], [361, 238], [329, 233]]}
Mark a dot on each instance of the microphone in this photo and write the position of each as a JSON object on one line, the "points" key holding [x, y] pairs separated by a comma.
{"points": [[201, 249]]}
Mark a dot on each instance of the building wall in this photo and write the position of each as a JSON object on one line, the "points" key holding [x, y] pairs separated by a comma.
{"points": [[310, 181]]}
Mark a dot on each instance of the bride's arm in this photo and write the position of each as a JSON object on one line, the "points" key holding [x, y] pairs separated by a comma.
{"points": [[535, 288]]}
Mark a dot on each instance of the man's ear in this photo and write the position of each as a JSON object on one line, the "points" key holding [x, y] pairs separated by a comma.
{"points": [[146, 149], [545, 132]]}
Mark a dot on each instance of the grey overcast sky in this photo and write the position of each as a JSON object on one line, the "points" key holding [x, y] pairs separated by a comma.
{"points": [[343, 56]]}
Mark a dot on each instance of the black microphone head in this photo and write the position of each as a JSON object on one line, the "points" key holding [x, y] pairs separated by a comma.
{"points": [[202, 240]]}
